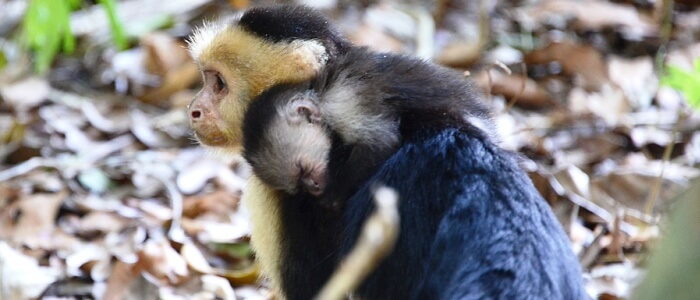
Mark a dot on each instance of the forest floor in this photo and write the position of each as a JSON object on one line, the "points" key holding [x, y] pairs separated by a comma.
{"points": [[105, 194]]}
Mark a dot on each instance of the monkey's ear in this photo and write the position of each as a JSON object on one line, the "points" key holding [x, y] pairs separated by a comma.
{"points": [[309, 56], [306, 109]]}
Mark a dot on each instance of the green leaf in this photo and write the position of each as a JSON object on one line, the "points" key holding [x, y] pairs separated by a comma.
{"points": [[47, 29], [238, 250], [686, 82], [3, 59], [118, 36]]}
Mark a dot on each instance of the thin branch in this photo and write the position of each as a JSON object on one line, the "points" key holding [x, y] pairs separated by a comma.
{"points": [[375, 243]]}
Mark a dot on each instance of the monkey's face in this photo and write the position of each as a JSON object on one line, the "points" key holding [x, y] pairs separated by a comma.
{"points": [[236, 67], [286, 141], [295, 157]]}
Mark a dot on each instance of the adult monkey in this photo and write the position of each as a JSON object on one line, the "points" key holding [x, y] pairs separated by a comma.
{"points": [[239, 59], [473, 226]]}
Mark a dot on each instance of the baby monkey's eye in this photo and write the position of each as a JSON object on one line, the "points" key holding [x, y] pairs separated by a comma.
{"points": [[301, 169]]}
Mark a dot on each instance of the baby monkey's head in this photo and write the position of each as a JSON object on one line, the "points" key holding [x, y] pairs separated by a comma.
{"points": [[285, 140]]}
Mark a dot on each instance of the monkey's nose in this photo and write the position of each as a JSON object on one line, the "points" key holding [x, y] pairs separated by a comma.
{"points": [[312, 186], [195, 114]]}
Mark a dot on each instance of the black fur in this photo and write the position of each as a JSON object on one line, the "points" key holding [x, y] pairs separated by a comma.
{"points": [[472, 226], [310, 245], [284, 23]]}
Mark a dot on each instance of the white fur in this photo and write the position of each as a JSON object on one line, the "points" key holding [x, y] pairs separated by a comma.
{"points": [[310, 51], [486, 125], [349, 114], [203, 35]]}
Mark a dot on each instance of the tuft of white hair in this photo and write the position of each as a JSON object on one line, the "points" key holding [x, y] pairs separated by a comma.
{"points": [[203, 35]]}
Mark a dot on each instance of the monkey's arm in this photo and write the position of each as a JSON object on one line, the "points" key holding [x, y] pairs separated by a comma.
{"points": [[263, 204]]}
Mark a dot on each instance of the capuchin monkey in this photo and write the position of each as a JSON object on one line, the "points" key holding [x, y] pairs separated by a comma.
{"points": [[239, 59], [472, 224]]}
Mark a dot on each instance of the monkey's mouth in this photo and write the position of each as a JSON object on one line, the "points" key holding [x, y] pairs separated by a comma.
{"points": [[210, 139], [315, 191], [312, 182]]}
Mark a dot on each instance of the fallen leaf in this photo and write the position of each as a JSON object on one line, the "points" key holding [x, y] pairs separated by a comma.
{"points": [[195, 259], [609, 104], [582, 61], [636, 78], [21, 276], [162, 263], [34, 226], [594, 15], [218, 286], [526, 92], [26, 93]]}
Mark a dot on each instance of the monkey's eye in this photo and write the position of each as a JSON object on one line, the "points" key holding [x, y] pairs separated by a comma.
{"points": [[301, 169], [215, 81], [219, 83]]}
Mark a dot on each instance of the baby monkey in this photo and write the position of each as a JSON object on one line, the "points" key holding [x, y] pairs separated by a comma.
{"points": [[285, 140], [289, 141]]}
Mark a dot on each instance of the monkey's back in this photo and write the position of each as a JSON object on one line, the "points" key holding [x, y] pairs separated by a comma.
{"points": [[473, 226], [412, 92]]}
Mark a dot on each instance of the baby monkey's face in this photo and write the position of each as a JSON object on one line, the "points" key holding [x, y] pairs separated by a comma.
{"points": [[298, 145]]}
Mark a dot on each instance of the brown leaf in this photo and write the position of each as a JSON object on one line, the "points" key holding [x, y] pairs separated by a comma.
{"points": [[123, 277], [526, 92], [163, 263], [217, 203], [36, 218], [375, 38], [582, 61], [630, 185], [167, 58], [595, 15], [460, 54], [103, 222]]}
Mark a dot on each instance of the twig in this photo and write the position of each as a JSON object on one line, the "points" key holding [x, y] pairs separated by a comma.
{"points": [[26, 167], [523, 83], [375, 243], [651, 201], [490, 67]]}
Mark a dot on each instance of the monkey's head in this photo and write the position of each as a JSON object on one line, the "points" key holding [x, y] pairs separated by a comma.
{"points": [[240, 59], [285, 140]]}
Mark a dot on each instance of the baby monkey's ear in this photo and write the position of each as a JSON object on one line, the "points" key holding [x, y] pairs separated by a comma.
{"points": [[304, 108]]}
